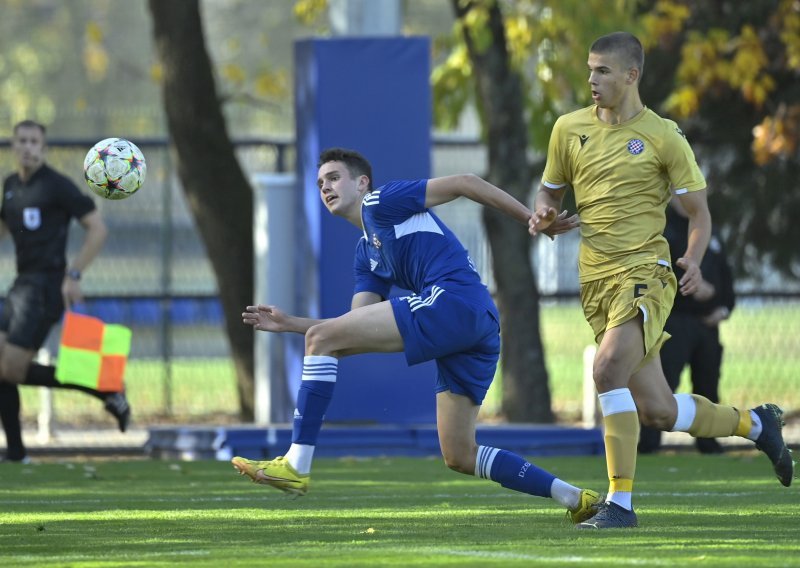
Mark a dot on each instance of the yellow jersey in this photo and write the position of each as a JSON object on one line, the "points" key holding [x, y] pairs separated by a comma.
{"points": [[622, 175]]}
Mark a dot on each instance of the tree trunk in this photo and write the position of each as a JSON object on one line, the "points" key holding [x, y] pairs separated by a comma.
{"points": [[217, 190], [526, 395]]}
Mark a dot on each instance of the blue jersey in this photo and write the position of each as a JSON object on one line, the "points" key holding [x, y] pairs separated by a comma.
{"points": [[406, 245]]}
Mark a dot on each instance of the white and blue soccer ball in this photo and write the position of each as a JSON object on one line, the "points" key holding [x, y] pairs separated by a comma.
{"points": [[114, 168]]}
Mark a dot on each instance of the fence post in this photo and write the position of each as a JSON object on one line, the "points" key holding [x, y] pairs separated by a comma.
{"points": [[46, 417], [591, 406], [273, 239]]}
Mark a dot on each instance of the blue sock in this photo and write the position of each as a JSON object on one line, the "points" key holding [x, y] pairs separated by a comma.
{"points": [[512, 472], [316, 390]]}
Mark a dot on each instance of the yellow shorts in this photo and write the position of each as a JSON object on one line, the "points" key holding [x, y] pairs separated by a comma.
{"points": [[648, 289]]}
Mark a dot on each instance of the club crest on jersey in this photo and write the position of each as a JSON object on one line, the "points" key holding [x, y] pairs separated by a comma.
{"points": [[32, 218], [375, 241], [635, 146]]}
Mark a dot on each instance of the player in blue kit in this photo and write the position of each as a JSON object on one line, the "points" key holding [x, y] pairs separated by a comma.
{"points": [[450, 318]]}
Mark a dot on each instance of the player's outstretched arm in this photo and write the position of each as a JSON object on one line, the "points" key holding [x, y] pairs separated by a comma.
{"points": [[271, 318], [444, 189], [546, 219]]}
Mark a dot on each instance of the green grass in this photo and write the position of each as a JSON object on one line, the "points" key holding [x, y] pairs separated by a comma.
{"points": [[715, 511], [196, 389], [761, 363]]}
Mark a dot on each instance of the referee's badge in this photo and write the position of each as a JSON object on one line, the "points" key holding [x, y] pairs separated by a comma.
{"points": [[635, 146], [32, 218]]}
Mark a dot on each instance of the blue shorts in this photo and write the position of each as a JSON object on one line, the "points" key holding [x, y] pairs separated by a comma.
{"points": [[463, 337]]}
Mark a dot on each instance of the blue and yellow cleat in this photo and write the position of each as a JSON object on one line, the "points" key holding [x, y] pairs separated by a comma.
{"points": [[610, 516], [277, 473], [587, 507], [770, 441]]}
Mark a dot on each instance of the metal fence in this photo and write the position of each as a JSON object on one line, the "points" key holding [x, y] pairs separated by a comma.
{"points": [[153, 275]]}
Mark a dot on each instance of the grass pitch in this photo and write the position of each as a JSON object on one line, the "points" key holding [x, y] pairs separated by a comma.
{"points": [[712, 511]]}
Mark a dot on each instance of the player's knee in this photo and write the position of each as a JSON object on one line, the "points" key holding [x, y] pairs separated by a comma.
{"points": [[462, 461], [605, 373], [12, 371], [656, 417], [318, 340], [456, 463]]}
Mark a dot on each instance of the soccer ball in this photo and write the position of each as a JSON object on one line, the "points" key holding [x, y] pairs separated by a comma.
{"points": [[114, 168]]}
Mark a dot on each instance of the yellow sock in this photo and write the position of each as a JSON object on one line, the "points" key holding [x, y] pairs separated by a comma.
{"points": [[715, 420], [621, 437], [745, 423]]}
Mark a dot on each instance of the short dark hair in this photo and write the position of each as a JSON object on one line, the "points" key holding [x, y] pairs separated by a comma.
{"points": [[356, 164], [28, 123], [624, 44]]}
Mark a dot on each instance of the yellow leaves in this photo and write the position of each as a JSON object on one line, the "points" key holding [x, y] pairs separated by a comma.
{"points": [[271, 85], [665, 20], [450, 80], [777, 136], [95, 56], [476, 25], [520, 38], [715, 59], [307, 11], [451, 74], [233, 73], [157, 72], [683, 102], [94, 33], [95, 60], [789, 21], [748, 68], [26, 57]]}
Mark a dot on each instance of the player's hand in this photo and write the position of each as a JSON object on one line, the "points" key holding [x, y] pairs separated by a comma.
{"points": [[71, 292], [541, 219], [562, 224], [692, 277], [265, 318], [705, 291], [716, 317]]}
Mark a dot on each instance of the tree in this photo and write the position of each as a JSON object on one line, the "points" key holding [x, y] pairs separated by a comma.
{"points": [[217, 190], [731, 72], [504, 54], [526, 395]]}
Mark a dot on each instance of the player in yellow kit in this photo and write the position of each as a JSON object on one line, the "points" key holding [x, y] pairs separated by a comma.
{"points": [[623, 162]]}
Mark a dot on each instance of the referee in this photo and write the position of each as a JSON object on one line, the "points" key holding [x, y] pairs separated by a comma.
{"points": [[693, 324], [38, 205]]}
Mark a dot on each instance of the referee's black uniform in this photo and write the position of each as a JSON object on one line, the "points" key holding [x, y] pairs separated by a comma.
{"points": [[693, 342], [37, 213]]}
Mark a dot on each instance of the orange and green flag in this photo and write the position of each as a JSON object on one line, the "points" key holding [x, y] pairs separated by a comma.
{"points": [[92, 353]]}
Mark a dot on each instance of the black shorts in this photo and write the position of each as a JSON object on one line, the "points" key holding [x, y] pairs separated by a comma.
{"points": [[33, 305]]}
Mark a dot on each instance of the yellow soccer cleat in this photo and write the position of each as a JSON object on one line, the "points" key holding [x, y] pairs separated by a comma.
{"points": [[587, 507], [277, 473]]}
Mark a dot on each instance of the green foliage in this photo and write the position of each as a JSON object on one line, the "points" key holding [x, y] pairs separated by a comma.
{"points": [[760, 361], [190, 390], [728, 72], [547, 42], [62, 61], [721, 511], [759, 365], [88, 68]]}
